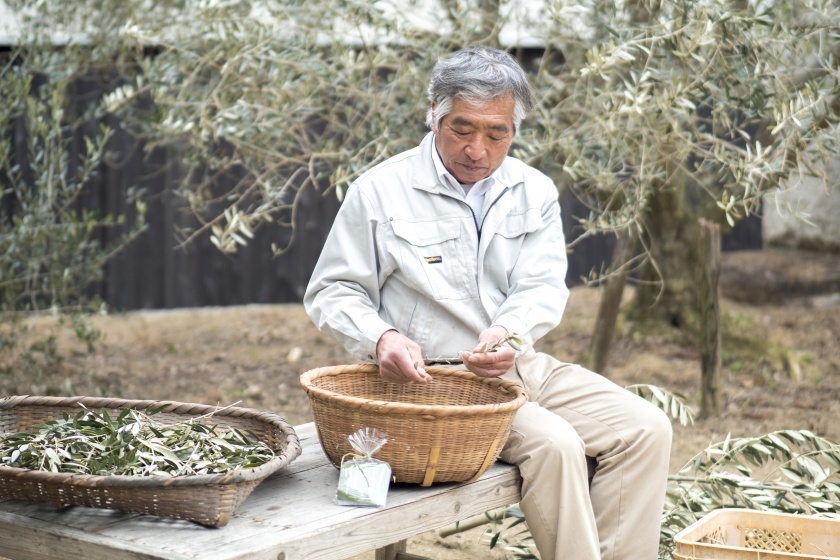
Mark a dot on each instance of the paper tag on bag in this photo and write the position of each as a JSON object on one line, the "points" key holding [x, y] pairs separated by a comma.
{"points": [[364, 481]]}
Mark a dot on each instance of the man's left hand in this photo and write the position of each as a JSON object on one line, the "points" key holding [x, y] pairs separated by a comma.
{"points": [[490, 364]]}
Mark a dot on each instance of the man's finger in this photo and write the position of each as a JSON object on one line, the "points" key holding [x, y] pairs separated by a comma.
{"points": [[418, 366], [487, 357], [408, 369], [485, 372]]}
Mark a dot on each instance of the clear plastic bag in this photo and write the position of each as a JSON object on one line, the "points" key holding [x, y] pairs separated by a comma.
{"points": [[364, 480]]}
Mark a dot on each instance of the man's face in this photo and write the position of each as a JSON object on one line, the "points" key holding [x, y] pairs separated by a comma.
{"points": [[473, 141]]}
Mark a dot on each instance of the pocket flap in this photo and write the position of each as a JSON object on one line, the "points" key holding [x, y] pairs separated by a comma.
{"points": [[515, 225], [421, 234]]}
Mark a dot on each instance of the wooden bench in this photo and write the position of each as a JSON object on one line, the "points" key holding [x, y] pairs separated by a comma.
{"points": [[290, 516]]}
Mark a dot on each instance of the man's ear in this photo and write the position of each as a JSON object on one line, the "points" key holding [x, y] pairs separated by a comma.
{"points": [[434, 117]]}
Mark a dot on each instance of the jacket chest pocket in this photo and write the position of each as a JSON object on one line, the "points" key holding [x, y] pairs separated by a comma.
{"points": [[430, 257], [510, 234], [503, 251], [515, 226]]}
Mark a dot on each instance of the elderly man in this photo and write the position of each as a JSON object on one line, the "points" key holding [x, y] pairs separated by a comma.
{"points": [[455, 243]]}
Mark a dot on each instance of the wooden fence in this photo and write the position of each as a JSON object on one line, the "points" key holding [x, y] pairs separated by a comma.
{"points": [[154, 273]]}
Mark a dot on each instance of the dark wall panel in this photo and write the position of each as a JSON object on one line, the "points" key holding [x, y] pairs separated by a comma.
{"points": [[154, 272]]}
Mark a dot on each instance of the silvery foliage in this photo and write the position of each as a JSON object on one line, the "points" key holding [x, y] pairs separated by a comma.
{"points": [[50, 246], [724, 99], [45, 243], [728, 97], [788, 471]]}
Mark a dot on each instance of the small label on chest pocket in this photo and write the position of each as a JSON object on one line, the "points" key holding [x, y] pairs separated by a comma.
{"points": [[433, 260]]}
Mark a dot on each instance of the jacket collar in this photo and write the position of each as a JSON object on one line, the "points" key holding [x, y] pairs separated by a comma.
{"points": [[507, 175]]}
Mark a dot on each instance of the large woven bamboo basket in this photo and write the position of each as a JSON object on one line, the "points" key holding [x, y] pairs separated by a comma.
{"points": [[206, 499], [450, 429]]}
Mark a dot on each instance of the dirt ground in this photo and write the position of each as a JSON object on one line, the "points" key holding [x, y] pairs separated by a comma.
{"points": [[254, 355]]}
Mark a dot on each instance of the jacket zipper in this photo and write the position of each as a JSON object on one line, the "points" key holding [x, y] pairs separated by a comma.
{"points": [[495, 200], [475, 219], [475, 222]]}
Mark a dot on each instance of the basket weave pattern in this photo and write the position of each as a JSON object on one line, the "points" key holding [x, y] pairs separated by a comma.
{"points": [[206, 499], [450, 429]]}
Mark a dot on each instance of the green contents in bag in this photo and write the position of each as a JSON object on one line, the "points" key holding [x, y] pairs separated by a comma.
{"points": [[364, 480]]}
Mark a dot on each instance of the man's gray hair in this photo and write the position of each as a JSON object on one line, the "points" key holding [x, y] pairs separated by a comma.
{"points": [[478, 75]]}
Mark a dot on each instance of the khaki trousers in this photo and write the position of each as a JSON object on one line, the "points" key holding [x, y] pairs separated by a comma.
{"points": [[572, 412]]}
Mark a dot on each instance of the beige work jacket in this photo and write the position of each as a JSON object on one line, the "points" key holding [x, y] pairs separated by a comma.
{"points": [[406, 253]]}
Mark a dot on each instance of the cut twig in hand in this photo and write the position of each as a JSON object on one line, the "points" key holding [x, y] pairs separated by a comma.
{"points": [[512, 339]]}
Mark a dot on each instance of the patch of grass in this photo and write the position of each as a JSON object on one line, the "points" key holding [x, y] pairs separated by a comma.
{"points": [[747, 348], [736, 366]]}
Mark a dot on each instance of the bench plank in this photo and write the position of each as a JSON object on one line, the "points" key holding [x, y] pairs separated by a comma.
{"points": [[289, 516]]}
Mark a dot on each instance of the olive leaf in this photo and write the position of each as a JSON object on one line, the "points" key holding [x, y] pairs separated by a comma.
{"points": [[787, 471], [132, 443], [511, 339]]}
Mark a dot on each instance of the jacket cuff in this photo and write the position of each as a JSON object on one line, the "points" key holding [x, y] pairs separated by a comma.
{"points": [[371, 334]]}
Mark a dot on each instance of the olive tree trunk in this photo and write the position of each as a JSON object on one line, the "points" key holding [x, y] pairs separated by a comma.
{"points": [[709, 307], [610, 302], [668, 290]]}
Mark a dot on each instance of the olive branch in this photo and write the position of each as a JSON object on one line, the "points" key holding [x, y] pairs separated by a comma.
{"points": [[511, 339], [133, 444]]}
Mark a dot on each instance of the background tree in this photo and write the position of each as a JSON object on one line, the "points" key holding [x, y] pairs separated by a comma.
{"points": [[50, 248], [657, 114], [665, 113]]}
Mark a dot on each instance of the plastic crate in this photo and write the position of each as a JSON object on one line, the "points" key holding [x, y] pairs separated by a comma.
{"points": [[743, 534]]}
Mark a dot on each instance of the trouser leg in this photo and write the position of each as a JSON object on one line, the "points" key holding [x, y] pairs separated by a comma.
{"points": [[555, 493], [631, 439]]}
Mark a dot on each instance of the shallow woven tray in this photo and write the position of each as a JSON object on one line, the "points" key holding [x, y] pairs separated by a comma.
{"points": [[745, 534], [450, 429], [206, 499]]}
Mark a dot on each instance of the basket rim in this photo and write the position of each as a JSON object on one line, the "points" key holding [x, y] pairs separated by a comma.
{"points": [[291, 450], [732, 514], [520, 397]]}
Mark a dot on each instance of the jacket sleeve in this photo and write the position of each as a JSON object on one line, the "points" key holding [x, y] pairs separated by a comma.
{"points": [[537, 293], [342, 297]]}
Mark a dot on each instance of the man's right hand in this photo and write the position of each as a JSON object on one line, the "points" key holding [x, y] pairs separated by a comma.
{"points": [[400, 359]]}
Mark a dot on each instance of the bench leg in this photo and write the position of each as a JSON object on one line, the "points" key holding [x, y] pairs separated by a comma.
{"points": [[396, 551], [390, 552]]}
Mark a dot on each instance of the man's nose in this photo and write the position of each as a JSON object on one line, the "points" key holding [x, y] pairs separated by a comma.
{"points": [[475, 148]]}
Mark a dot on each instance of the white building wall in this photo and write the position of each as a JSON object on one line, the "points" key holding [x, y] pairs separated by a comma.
{"points": [[9, 23], [819, 203]]}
